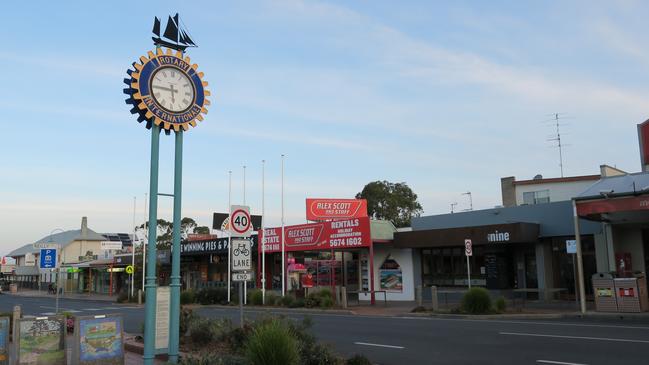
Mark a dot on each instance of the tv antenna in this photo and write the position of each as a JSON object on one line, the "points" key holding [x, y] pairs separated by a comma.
{"points": [[453, 207], [556, 117]]}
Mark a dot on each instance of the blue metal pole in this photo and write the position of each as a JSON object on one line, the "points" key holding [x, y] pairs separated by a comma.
{"points": [[150, 287], [174, 311]]}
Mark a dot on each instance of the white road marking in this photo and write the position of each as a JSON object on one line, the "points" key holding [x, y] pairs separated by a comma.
{"points": [[557, 362], [573, 337], [48, 314], [487, 321], [379, 345], [93, 309]]}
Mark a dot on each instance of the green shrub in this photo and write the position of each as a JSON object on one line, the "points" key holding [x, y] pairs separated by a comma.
{"points": [[326, 303], [212, 359], [312, 300], [358, 360], [325, 293], [418, 309], [187, 317], [297, 303], [255, 297], [206, 330], [501, 305], [287, 300], [476, 301], [272, 298], [272, 343], [207, 296], [187, 297]]}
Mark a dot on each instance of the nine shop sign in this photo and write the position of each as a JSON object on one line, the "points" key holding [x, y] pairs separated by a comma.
{"points": [[328, 209], [345, 233]]}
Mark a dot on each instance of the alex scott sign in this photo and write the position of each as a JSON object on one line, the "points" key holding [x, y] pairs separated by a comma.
{"points": [[328, 209], [346, 233]]}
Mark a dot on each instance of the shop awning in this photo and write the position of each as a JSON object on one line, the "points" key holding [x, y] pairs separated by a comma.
{"points": [[622, 198], [520, 232]]}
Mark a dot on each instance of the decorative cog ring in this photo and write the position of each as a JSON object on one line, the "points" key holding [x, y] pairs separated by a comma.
{"points": [[166, 90]]}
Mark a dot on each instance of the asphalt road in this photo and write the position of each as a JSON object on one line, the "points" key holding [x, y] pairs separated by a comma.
{"points": [[409, 340]]}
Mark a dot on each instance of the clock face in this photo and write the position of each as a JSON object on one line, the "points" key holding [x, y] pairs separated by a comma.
{"points": [[172, 89]]}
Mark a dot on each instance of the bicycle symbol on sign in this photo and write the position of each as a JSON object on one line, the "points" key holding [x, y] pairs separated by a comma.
{"points": [[242, 249]]}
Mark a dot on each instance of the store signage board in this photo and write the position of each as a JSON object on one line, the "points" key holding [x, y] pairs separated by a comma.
{"points": [[47, 258], [111, 245], [30, 259], [468, 247], [163, 299], [241, 276], [329, 209], [240, 222], [339, 234], [41, 340], [98, 340], [241, 255], [43, 245], [571, 246]]}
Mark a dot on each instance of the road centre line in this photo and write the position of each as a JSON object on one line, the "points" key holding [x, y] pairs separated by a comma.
{"points": [[573, 337], [557, 362], [379, 345], [485, 321]]}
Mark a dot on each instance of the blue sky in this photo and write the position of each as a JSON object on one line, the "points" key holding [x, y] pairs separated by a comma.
{"points": [[446, 96]]}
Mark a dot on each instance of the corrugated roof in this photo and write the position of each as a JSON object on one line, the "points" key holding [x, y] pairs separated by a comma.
{"points": [[61, 238], [382, 230], [618, 185]]}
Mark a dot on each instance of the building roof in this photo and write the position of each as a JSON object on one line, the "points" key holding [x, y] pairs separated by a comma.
{"points": [[554, 219], [61, 238], [558, 180], [629, 184]]}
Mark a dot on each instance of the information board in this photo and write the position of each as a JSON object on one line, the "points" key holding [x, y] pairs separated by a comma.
{"points": [[99, 340], [41, 340], [163, 297]]}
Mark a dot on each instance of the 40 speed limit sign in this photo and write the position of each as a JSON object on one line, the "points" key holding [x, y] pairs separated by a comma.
{"points": [[240, 224]]}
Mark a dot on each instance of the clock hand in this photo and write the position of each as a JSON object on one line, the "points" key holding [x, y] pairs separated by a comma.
{"points": [[173, 99], [164, 88]]}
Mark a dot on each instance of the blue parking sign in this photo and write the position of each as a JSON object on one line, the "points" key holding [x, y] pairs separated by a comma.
{"points": [[48, 258]]}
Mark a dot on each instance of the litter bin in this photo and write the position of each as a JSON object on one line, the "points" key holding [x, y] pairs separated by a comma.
{"points": [[631, 294], [604, 292], [13, 288]]}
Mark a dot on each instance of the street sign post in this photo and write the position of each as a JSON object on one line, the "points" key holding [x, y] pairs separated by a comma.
{"points": [[47, 258], [571, 248], [241, 255], [468, 251]]}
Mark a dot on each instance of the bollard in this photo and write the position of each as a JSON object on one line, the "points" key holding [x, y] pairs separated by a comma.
{"points": [[139, 297], [418, 297], [343, 296], [433, 295], [14, 324]]}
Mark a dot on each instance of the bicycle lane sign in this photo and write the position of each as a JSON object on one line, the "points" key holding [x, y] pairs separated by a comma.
{"points": [[241, 255]]}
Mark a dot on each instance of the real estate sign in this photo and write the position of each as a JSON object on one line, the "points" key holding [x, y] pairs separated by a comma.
{"points": [[329, 209]]}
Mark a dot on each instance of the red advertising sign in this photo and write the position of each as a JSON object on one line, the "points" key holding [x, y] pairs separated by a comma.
{"points": [[613, 205], [328, 209], [345, 233]]}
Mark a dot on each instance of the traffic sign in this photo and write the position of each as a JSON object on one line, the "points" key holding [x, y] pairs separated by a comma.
{"points": [[468, 247], [241, 255], [241, 276], [48, 258], [129, 269], [240, 224], [571, 246]]}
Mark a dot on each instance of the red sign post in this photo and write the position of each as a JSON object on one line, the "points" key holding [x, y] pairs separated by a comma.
{"points": [[329, 209]]}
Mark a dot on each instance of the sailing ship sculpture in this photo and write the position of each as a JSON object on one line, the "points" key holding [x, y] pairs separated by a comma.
{"points": [[174, 36]]}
